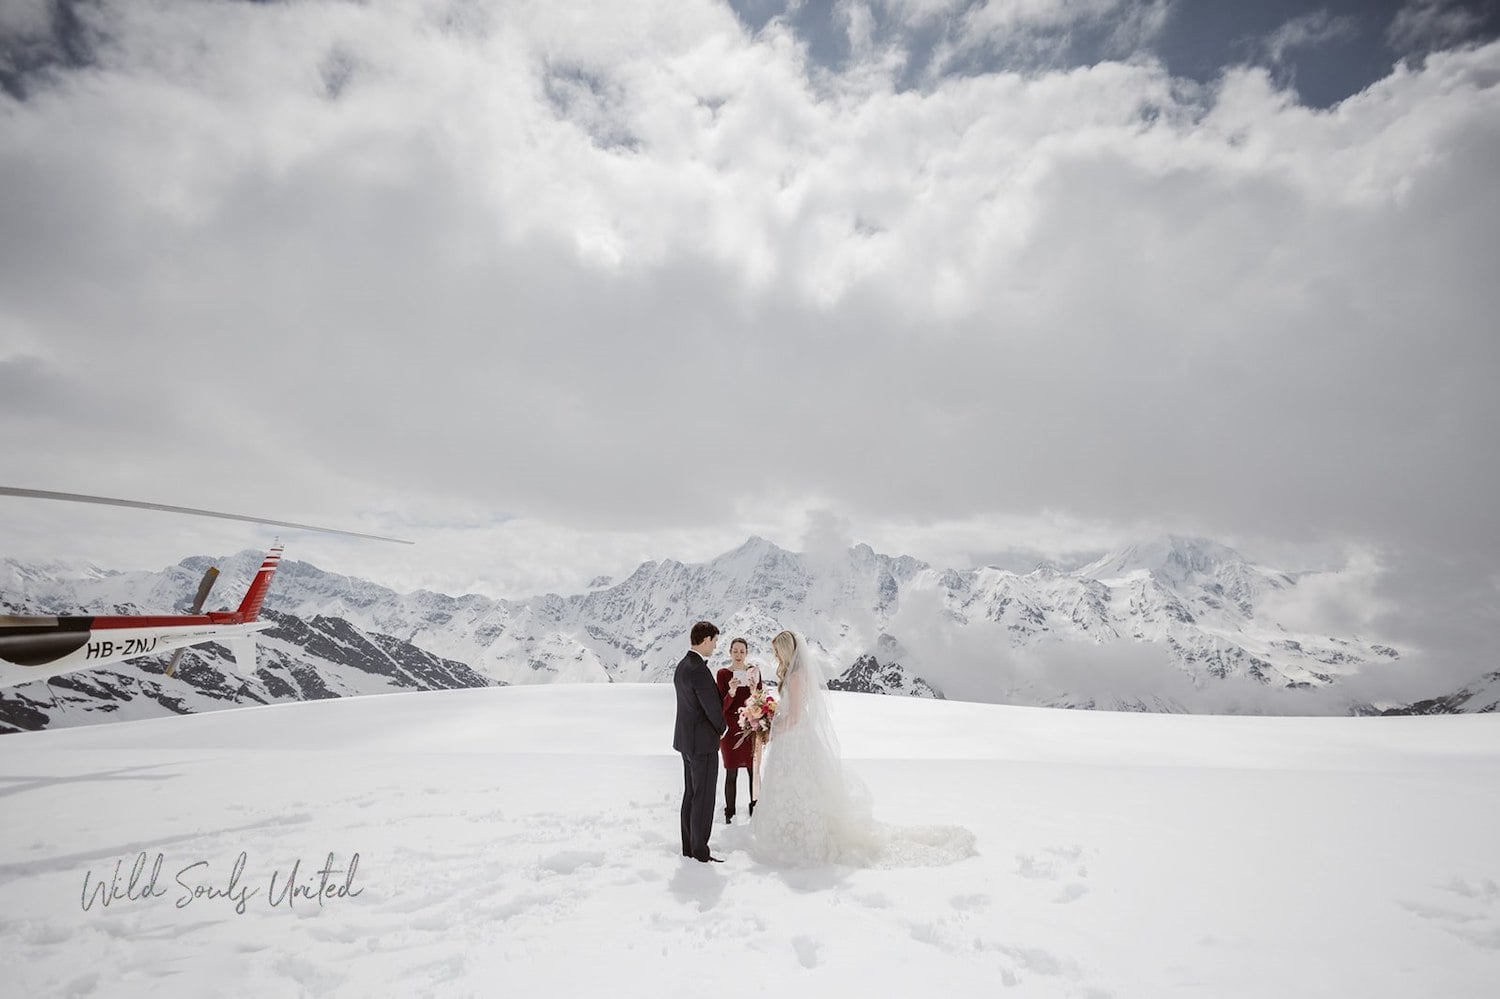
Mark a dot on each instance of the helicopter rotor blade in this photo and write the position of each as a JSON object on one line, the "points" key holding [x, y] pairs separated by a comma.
{"points": [[209, 578], [139, 505]]}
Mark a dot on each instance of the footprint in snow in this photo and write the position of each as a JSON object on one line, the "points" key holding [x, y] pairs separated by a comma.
{"points": [[1469, 910], [1057, 864], [1050, 865], [807, 951], [569, 861]]}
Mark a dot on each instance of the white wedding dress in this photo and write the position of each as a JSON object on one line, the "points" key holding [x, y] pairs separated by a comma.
{"points": [[813, 810]]}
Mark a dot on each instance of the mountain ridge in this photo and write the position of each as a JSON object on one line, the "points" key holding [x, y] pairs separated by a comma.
{"points": [[1182, 612]]}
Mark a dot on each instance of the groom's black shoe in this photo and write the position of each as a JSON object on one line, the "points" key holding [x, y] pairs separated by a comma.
{"points": [[706, 857], [752, 806]]}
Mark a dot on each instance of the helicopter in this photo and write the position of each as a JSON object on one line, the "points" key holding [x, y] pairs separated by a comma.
{"points": [[35, 647]]}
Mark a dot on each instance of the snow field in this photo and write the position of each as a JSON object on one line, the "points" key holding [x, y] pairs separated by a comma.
{"points": [[501, 852]]}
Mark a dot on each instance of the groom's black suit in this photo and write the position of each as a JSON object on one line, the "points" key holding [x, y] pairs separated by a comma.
{"points": [[700, 722]]}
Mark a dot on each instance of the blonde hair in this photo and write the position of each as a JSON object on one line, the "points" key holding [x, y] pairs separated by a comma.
{"points": [[785, 647]]}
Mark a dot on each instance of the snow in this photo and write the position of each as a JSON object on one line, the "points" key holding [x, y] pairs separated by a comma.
{"points": [[501, 853]]}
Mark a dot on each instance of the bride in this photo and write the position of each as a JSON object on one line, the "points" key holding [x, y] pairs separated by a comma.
{"points": [[812, 810]]}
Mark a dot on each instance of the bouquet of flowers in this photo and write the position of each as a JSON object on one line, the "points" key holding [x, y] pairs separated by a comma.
{"points": [[756, 715], [755, 723]]}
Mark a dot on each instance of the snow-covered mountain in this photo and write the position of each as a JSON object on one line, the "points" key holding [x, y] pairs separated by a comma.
{"points": [[1149, 627], [882, 672], [1481, 696]]}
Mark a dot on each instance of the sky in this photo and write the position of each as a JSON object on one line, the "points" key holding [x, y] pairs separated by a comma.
{"points": [[551, 289]]}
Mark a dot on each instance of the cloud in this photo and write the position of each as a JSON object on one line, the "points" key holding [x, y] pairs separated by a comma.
{"points": [[828, 536], [976, 662], [1308, 31], [1041, 34], [665, 278], [994, 21], [918, 13], [26, 19], [40, 37], [1422, 26], [1346, 601]]}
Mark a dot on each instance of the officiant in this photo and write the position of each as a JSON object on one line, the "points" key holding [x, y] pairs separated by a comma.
{"points": [[736, 749]]}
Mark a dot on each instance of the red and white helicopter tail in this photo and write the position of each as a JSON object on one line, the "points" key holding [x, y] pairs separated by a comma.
{"points": [[259, 586]]}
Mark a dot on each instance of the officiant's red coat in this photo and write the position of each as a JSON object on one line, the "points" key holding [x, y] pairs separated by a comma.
{"points": [[733, 756]]}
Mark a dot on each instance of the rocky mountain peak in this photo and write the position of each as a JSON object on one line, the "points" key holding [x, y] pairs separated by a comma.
{"points": [[1173, 556]]}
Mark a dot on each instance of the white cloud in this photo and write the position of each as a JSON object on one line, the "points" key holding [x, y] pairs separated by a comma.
{"points": [[917, 13], [998, 17], [1033, 34], [1308, 31], [1346, 601], [636, 275]]}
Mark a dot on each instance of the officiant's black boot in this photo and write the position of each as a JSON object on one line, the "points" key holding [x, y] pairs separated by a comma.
{"points": [[730, 787]]}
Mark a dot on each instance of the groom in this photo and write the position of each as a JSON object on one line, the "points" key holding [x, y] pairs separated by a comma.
{"points": [[700, 722]]}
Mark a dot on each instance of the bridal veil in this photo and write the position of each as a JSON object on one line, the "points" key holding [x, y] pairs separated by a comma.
{"points": [[814, 810]]}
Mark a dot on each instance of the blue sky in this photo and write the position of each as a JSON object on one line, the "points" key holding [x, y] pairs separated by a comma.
{"points": [[1326, 51]]}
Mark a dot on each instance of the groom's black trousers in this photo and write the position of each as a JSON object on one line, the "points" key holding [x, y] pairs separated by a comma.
{"points": [[700, 780]]}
